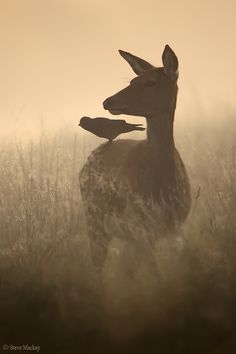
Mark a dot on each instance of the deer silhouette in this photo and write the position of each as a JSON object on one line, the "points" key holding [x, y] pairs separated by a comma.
{"points": [[151, 170]]}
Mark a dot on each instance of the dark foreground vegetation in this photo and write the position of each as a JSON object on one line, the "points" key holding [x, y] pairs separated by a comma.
{"points": [[51, 296]]}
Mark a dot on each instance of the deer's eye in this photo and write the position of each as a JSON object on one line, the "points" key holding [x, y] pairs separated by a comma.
{"points": [[151, 83]]}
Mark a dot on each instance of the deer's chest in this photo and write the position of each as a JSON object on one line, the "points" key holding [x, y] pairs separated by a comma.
{"points": [[150, 175]]}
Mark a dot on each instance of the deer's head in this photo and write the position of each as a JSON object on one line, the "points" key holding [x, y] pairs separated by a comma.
{"points": [[154, 89]]}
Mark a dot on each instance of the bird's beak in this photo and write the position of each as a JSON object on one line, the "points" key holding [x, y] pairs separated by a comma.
{"points": [[79, 125]]}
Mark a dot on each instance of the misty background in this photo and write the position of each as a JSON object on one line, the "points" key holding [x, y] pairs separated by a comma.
{"points": [[59, 58]]}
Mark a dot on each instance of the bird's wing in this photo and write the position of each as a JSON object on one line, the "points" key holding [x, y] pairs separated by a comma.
{"points": [[101, 120], [118, 120], [123, 123], [111, 122], [119, 123]]}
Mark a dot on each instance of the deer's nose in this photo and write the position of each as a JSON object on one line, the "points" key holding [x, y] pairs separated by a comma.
{"points": [[108, 103]]}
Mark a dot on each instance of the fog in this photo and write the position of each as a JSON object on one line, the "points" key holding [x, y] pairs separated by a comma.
{"points": [[174, 291], [59, 59]]}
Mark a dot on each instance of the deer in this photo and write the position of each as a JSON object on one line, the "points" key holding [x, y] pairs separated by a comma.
{"points": [[150, 170]]}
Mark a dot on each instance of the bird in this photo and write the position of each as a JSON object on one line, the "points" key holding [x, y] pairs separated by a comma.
{"points": [[108, 128]]}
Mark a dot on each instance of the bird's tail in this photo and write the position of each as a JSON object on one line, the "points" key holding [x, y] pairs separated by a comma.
{"points": [[131, 127], [139, 128], [136, 126]]}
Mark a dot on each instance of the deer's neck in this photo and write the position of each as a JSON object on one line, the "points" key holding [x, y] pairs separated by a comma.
{"points": [[160, 130]]}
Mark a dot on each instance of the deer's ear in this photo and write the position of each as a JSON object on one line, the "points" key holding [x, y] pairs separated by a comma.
{"points": [[138, 65], [170, 63]]}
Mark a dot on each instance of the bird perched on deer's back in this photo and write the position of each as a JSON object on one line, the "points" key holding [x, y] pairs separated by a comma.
{"points": [[108, 128]]}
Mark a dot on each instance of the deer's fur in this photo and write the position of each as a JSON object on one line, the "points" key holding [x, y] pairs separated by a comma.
{"points": [[151, 170]]}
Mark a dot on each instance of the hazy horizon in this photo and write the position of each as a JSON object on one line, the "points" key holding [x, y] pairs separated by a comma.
{"points": [[59, 59]]}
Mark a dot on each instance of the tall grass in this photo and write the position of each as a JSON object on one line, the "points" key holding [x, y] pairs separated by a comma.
{"points": [[53, 297]]}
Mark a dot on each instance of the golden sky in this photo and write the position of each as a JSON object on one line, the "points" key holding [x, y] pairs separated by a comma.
{"points": [[59, 58]]}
